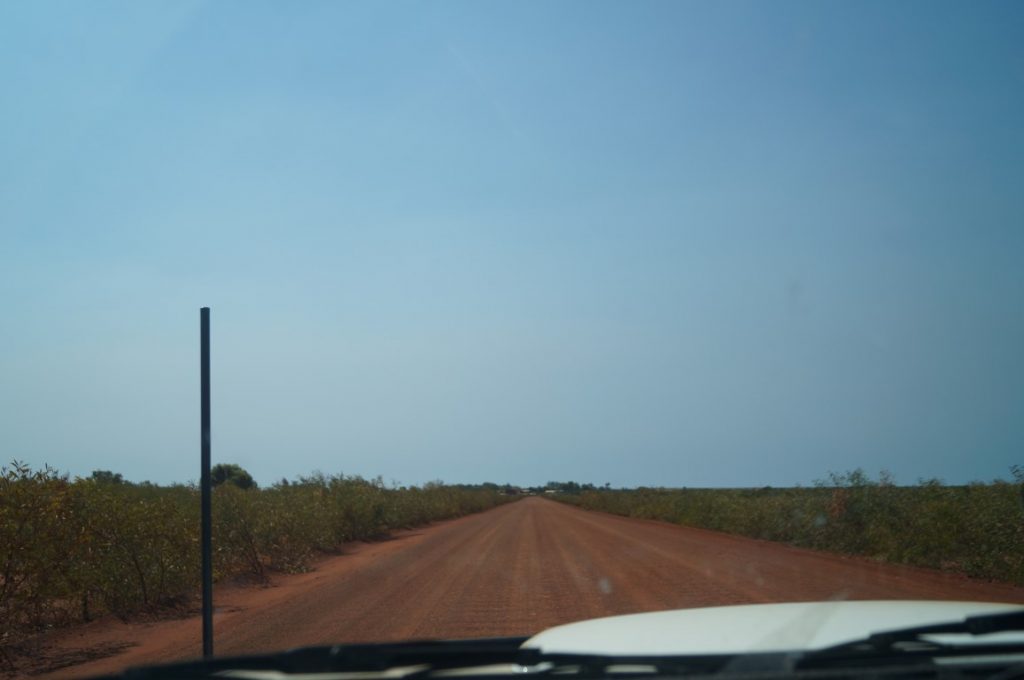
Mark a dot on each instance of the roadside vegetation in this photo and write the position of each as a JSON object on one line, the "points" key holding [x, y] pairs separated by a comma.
{"points": [[71, 550], [975, 529]]}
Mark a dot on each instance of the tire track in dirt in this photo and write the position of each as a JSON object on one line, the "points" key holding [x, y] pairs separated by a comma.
{"points": [[514, 570]]}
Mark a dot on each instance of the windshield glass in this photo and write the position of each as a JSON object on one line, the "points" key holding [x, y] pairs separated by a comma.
{"points": [[521, 314]]}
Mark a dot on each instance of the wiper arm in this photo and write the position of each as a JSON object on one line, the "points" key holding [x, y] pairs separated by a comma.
{"points": [[982, 624], [912, 644]]}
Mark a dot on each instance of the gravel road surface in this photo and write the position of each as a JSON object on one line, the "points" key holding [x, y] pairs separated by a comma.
{"points": [[513, 570]]}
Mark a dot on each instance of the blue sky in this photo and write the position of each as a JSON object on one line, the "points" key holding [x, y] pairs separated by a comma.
{"points": [[673, 243]]}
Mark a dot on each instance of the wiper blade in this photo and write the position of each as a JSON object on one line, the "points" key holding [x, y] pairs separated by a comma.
{"points": [[912, 644], [344, 658]]}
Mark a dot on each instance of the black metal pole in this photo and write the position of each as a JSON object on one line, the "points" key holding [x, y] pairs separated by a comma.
{"points": [[204, 482]]}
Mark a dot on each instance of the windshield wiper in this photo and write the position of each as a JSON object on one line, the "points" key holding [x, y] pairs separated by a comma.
{"points": [[912, 645], [367, 658]]}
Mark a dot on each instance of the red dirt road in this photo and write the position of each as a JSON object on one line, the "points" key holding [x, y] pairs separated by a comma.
{"points": [[514, 570]]}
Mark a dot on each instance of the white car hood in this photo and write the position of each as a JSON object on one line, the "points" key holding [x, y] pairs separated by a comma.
{"points": [[752, 628]]}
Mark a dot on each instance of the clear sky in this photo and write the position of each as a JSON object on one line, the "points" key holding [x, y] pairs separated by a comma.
{"points": [[662, 243]]}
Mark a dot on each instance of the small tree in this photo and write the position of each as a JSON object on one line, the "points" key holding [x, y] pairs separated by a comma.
{"points": [[106, 477], [232, 473]]}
